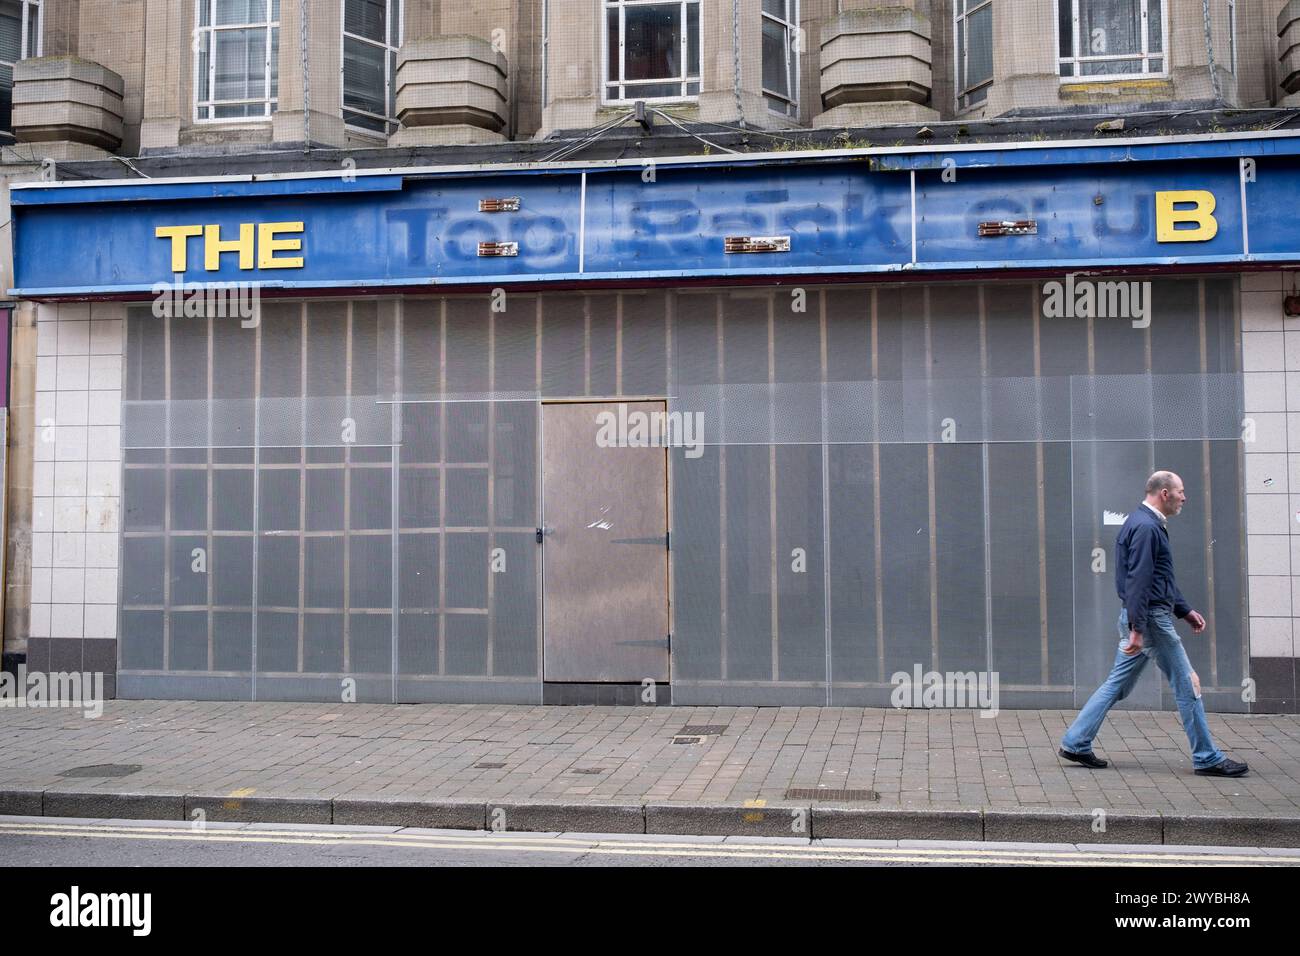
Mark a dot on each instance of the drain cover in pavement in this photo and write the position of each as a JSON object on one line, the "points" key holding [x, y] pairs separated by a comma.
{"points": [[688, 739], [102, 770], [489, 766], [702, 730], [825, 793], [588, 770]]}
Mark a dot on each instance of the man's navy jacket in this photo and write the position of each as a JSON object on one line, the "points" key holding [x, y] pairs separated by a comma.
{"points": [[1144, 569]]}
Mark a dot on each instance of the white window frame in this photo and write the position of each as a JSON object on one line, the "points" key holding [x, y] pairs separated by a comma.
{"points": [[959, 88], [627, 88], [390, 68], [29, 8], [1077, 61], [791, 27], [208, 105], [24, 53]]}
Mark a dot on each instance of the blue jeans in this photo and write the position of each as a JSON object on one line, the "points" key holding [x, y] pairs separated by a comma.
{"points": [[1162, 642]]}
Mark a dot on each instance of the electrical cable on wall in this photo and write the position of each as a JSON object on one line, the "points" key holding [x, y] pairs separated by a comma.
{"points": [[735, 51], [1209, 53], [303, 13]]}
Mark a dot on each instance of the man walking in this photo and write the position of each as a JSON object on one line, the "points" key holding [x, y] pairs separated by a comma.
{"points": [[1149, 598]]}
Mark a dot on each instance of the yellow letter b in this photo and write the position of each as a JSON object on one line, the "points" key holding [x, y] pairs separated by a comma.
{"points": [[1167, 217]]}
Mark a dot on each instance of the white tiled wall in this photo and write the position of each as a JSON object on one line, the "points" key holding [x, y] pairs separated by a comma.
{"points": [[1270, 348], [77, 472]]}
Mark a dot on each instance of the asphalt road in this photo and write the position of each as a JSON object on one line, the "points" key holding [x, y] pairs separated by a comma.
{"points": [[45, 841]]}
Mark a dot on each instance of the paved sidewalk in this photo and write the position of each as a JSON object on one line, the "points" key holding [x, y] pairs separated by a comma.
{"points": [[340, 762]]}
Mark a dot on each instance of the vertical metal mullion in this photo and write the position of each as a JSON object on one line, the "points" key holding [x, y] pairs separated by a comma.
{"points": [[210, 480], [722, 481], [1040, 499], [622, 50], [875, 486], [167, 492], [932, 504], [265, 66], [539, 578], [257, 493], [1146, 34], [669, 318], [442, 488], [491, 489], [984, 465], [347, 493], [826, 494], [771, 484], [212, 69], [791, 56], [1074, 42], [684, 19], [302, 485], [1209, 501], [963, 31], [790, 84], [396, 410]]}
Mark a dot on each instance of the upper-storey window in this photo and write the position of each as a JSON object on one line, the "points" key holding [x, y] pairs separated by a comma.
{"points": [[372, 33], [1110, 38], [974, 50], [780, 55], [20, 37], [652, 49], [236, 69]]}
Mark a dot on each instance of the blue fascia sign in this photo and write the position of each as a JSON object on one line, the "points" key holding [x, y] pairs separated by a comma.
{"points": [[1150, 203]]}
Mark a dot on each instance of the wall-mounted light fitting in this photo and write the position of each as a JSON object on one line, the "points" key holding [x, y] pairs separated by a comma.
{"points": [[757, 244], [498, 248], [1009, 227]]}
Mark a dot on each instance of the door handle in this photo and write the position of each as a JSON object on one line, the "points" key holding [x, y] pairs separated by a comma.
{"points": [[543, 531]]}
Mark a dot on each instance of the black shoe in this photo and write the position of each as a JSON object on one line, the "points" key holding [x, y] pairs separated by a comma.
{"points": [[1088, 760], [1228, 768]]}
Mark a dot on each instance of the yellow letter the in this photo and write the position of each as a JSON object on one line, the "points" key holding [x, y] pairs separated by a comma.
{"points": [[1207, 227], [213, 247], [178, 235], [268, 245]]}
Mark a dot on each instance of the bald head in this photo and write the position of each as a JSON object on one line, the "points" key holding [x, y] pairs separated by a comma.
{"points": [[1165, 492]]}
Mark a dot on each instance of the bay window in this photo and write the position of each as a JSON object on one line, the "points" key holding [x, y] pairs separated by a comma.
{"points": [[780, 56], [236, 67], [20, 37], [1111, 38], [974, 50], [372, 34], [652, 50]]}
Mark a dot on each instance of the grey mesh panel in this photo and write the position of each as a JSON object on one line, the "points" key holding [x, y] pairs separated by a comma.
{"points": [[697, 566], [563, 345], [602, 344], [853, 567], [938, 459], [645, 324], [800, 564]]}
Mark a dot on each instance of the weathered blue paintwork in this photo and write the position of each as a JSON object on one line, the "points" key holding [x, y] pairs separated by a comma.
{"points": [[845, 214]]}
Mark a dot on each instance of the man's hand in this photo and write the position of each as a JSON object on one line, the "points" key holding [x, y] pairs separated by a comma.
{"points": [[1197, 622], [1134, 643]]}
